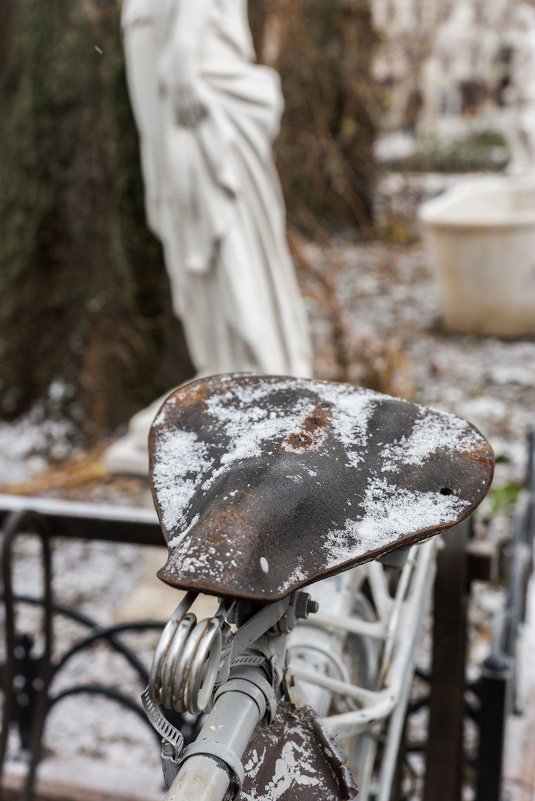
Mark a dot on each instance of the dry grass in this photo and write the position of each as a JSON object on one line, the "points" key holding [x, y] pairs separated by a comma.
{"points": [[78, 479]]}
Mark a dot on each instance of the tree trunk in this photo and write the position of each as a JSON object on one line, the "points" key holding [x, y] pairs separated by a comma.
{"points": [[84, 296], [5, 8]]}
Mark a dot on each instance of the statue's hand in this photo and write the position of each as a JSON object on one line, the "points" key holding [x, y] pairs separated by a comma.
{"points": [[188, 107], [179, 81]]}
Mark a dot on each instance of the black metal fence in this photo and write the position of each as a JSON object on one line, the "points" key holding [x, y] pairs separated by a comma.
{"points": [[26, 679]]}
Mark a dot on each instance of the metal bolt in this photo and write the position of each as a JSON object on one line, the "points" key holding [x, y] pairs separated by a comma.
{"points": [[312, 607], [304, 605]]}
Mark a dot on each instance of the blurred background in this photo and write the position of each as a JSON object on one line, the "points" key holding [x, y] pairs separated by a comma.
{"points": [[388, 104]]}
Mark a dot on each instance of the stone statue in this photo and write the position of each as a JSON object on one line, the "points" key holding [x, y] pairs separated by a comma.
{"points": [[207, 115]]}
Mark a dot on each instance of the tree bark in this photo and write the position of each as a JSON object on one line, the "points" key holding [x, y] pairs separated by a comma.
{"points": [[5, 13], [84, 296]]}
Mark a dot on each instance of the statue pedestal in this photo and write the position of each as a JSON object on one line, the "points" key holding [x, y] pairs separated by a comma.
{"points": [[130, 455], [126, 457]]}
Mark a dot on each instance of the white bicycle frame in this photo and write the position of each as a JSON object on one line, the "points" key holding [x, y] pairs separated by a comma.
{"points": [[396, 630], [377, 700]]}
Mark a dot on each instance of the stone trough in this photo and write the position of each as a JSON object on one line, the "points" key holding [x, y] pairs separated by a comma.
{"points": [[480, 237]]}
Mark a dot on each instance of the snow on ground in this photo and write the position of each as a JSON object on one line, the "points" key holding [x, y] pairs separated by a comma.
{"points": [[41, 436], [20, 444]]}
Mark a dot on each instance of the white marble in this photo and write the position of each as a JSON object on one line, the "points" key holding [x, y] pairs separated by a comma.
{"points": [[207, 116]]}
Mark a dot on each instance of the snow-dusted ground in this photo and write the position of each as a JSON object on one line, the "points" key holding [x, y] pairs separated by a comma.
{"points": [[39, 437], [387, 307], [391, 309]]}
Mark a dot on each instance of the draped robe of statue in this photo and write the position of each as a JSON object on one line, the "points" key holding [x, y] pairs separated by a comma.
{"points": [[213, 196], [211, 189]]}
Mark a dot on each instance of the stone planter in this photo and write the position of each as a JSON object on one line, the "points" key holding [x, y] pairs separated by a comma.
{"points": [[480, 238]]}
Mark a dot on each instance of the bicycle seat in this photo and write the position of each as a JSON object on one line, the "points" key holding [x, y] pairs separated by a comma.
{"points": [[264, 484]]}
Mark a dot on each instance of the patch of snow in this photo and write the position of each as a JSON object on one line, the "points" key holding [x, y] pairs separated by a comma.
{"points": [[395, 145], [390, 512], [30, 442], [431, 433], [297, 575], [20, 444], [351, 414], [254, 763], [294, 767], [513, 375], [294, 770], [179, 458], [247, 425]]}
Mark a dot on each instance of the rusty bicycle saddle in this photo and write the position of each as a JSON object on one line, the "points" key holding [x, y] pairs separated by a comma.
{"points": [[264, 484]]}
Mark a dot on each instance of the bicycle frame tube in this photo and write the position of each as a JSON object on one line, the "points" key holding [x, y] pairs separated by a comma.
{"points": [[232, 721], [396, 628], [400, 645]]}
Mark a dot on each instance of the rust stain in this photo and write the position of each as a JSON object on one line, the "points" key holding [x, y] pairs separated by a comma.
{"points": [[194, 393], [312, 430], [481, 456], [300, 440]]}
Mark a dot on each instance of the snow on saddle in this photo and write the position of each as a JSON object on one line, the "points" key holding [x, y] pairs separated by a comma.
{"points": [[264, 484]]}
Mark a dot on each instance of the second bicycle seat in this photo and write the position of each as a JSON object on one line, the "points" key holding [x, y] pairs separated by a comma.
{"points": [[264, 484]]}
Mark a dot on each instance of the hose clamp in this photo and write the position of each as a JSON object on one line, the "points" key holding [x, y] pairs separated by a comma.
{"points": [[252, 683]]}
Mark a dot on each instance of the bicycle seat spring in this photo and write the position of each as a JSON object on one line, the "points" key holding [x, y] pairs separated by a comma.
{"points": [[187, 660]]}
